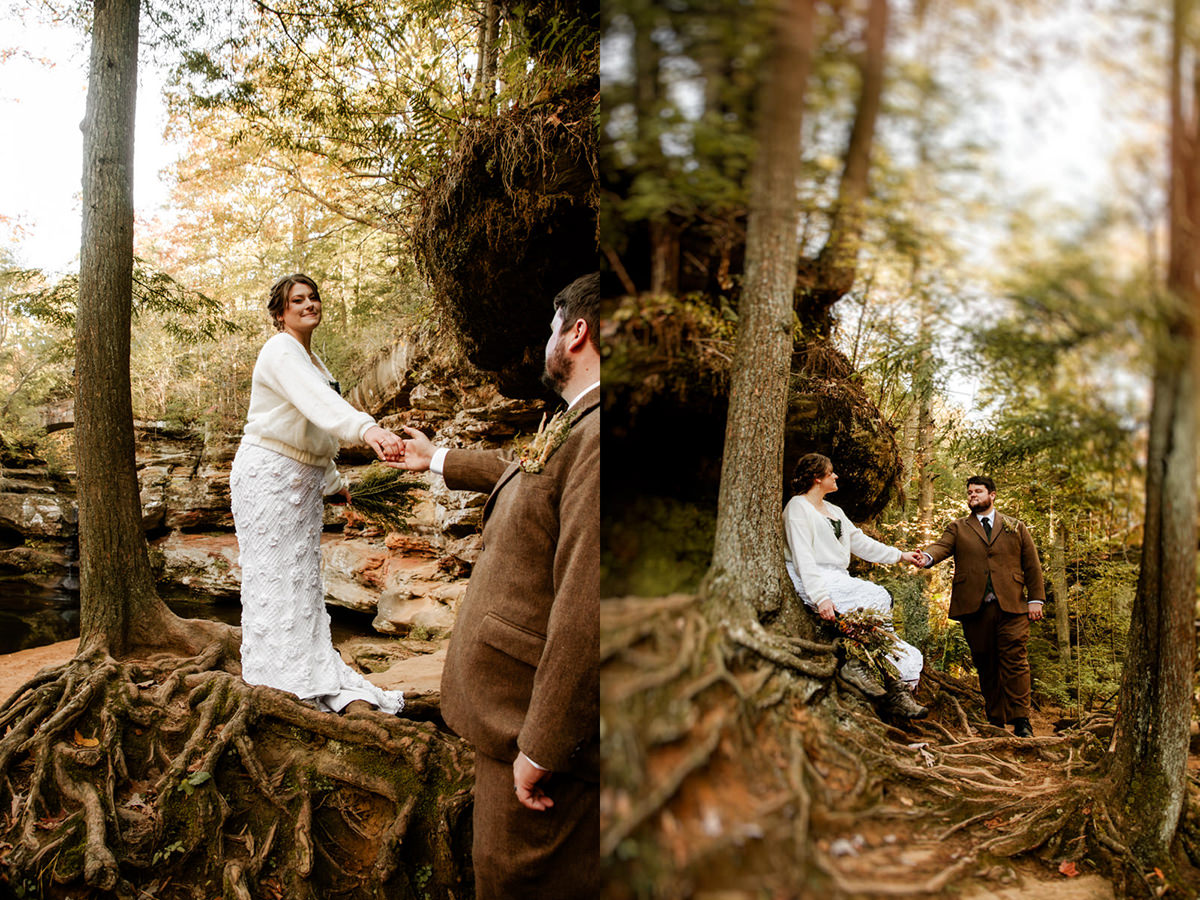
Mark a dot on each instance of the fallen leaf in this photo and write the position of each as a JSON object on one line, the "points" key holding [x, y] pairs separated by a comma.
{"points": [[81, 741], [1159, 873], [1067, 867], [994, 823]]}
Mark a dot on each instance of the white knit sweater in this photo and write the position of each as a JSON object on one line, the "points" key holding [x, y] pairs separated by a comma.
{"points": [[812, 543], [295, 411]]}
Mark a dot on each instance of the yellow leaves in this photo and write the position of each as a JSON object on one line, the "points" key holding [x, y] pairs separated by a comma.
{"points": [[81, 741]]}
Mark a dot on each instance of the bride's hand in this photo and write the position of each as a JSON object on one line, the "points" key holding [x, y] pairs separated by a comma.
{"points": [[826, 611], [914, 557]]}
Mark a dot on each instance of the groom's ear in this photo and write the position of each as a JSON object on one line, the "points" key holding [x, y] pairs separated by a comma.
{"points": [[577, 337]]}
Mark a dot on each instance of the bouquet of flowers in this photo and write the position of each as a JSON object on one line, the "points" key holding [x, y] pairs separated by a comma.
{"points": [[867, 637]]}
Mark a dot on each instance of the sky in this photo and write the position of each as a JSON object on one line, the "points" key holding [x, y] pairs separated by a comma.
{"points": [[43, 93]]}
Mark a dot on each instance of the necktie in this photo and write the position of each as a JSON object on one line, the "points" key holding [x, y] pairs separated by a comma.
{"points": [[988, 590]]}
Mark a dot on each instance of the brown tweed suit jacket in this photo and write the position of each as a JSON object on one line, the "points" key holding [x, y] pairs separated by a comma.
{"points": [[1010, 558], [523, 669]]}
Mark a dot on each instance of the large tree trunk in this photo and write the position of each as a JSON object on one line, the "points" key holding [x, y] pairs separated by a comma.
{"points": [[747, 568], [1148, 769], [117, 594], [830, 277]]}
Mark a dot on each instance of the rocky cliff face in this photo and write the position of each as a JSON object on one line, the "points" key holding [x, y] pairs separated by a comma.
{"points": [[410, 581]]}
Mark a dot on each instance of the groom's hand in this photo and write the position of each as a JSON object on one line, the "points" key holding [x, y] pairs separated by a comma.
{"points": [[525, 780], [417, 453]]}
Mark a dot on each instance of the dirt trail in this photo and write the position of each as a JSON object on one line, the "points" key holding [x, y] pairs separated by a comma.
{"points": [[17, 668]]}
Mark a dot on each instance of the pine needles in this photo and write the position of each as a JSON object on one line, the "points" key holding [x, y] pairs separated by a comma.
{"points": [[384, 497]]}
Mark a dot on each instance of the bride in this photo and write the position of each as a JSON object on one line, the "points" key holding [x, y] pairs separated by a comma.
{"points": [[820, 540]]}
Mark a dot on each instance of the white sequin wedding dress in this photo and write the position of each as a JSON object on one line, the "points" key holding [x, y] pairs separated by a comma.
{"points": [[286, 643]]}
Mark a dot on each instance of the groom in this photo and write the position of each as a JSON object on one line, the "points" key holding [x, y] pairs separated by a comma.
{"points": [[998, 590], [521, 680]]}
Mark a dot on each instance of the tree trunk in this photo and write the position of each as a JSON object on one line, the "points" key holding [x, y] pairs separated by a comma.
{"points": [[117, 597], [664, 257], [747, 570], [491, 53], [1148, 768], [924, 385], [830, 277], [1058, 578]]}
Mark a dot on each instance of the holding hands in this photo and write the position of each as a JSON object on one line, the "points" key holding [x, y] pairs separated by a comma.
{"points": [[914, 557], [387, 446], [416, 451]]}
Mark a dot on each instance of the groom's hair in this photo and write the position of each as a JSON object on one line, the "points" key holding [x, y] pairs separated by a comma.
{"points": [[581, 300], [985, 481], [809, 468]]}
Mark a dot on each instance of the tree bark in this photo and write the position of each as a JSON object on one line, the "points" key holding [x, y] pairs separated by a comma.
{"points": [[1148, 768], [117, 593], [491, 53], [923, 376], [1058, 578], [747, 572], [831, 275]]}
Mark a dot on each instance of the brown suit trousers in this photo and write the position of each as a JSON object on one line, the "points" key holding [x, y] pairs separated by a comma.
{"points": [[997, 641], [524, 854]]}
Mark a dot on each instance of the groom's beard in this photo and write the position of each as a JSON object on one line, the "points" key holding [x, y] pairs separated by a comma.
{"points": [[979, 507], [557, 371]]}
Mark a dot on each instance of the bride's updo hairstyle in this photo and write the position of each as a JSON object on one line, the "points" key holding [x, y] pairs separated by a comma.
{"points": [[279, 296], [809, 468]]}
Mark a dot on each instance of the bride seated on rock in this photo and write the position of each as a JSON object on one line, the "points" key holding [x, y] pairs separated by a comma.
{"points": [[820, 541]]}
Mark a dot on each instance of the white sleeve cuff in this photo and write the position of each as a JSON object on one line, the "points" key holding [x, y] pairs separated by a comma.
{"points": [[532, 763], [435, 466], [1032, 602]]}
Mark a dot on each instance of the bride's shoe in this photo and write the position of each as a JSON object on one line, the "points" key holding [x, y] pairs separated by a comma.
{"points": [[856, 674], [900, 702]]}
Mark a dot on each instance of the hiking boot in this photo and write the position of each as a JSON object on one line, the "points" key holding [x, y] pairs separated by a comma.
{"points": [[856, 674], [1022, 728], [900, 702]]}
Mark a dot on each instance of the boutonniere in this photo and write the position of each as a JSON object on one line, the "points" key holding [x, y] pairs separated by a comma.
{"points": [[1009, 525], [550, 436]]}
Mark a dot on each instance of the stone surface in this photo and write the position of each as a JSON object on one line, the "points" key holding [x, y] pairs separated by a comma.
{"points": [[38, 515], [411, 580], [202, 563], [420, 674]]}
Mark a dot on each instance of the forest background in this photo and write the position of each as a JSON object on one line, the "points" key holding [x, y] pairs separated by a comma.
{"points": [[1008, 266], [994, 326]]}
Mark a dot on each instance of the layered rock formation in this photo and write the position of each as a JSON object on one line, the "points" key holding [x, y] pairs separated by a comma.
{"points": [[410, 582]]}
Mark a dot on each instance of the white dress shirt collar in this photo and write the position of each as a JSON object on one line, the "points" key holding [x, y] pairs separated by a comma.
{"points": [[587, 390]]}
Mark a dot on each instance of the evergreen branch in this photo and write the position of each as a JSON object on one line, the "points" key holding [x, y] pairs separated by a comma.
{"points": [[384, 497]]}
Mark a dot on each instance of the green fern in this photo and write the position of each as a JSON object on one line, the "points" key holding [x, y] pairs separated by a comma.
{"points": [[384, 497]]}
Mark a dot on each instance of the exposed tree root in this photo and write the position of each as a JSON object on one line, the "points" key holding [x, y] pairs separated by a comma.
{"points": [[734, 759], [172, 778]]}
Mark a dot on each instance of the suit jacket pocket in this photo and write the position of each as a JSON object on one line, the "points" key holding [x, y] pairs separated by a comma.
{"points": [[1019, 577], [512, 639]]}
